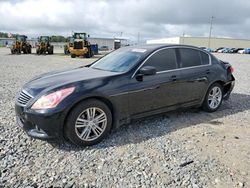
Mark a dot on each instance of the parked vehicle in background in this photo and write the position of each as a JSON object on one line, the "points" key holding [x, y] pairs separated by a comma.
{"points": [[208, 50], [83, 104], [21, 45], [104, 48], [236, 50], [81, 46], [44, 45], [241, 51], [233, 50], [220, 48], [247, 51], [226, 50], [244, 51]]}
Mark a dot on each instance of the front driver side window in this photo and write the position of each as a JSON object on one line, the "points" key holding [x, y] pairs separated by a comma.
{"points": [[163, 60]]}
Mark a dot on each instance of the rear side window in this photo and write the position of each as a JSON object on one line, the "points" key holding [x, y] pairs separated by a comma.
{"points": [[163, 60], [204, 58], [189, 57]]}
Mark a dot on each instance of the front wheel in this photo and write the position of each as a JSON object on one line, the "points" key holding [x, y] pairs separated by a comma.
{"points": [[213, 98], [88, 123]]}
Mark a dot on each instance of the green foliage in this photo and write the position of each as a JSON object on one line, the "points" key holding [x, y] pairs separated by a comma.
{"points": [[58, 38], [3, 35]]}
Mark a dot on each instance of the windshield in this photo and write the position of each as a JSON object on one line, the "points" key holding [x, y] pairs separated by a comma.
{"points": [[44, 39], [21, 38], [119, 61], [80, 35]]}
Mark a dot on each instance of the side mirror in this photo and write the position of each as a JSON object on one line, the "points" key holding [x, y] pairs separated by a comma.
{"points": [[147, 70]]}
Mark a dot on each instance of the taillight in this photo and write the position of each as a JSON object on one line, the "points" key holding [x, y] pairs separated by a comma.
{"points": [[231, 69]]}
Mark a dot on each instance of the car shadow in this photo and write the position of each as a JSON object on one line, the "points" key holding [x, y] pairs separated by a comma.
{"points": [[160, 125]]}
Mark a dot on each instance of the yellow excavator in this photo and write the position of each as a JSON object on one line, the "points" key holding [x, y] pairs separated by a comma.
{"points": [[44, 46], [21, 45], [81, 46]]}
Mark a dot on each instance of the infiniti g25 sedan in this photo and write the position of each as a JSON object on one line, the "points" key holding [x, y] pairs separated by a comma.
{"points": [[82, 105]]}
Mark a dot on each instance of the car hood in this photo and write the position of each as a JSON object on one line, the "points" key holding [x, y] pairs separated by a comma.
{"points": [[61, 78]]}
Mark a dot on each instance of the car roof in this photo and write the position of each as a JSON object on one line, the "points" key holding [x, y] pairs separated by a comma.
{"points": [[153, 47]]}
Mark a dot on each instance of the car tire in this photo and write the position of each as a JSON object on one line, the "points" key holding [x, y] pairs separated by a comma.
{"points": [[73, 55], [213, 98], [88, 54], [82, 127]]}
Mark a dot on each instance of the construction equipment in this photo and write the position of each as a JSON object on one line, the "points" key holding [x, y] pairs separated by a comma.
{"points": [[70, 41], [21, 45], [44, 45], [81, 46]]}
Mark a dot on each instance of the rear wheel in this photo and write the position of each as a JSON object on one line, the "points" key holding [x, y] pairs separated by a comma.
{"points": [[51, 50], [73, 55], [88, 123], [89, 53], [213, 98]]}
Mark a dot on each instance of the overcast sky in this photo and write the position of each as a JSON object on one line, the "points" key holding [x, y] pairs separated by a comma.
{"points": [[113, 18]]}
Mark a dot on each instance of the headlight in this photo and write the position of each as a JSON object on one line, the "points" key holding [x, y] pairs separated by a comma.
{"points": [[53, 99]]}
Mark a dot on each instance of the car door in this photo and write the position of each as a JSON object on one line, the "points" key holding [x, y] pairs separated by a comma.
{"points": [[195, 69], [156, 91]]}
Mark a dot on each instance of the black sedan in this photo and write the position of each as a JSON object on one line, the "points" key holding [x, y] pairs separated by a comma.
{"points": [[83, 104]]}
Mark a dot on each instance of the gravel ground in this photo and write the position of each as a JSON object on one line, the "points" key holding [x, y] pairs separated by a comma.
{"points": [[188, 148]]}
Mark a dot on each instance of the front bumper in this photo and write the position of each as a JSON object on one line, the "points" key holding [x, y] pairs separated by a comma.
{"points": [[44, 126], [78, 52]]}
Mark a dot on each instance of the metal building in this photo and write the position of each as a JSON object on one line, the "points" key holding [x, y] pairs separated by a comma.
{"points": [[204, 42], [6, 41], [111, 43], [9, 42]]}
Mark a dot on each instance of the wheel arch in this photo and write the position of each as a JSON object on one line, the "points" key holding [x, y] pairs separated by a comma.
{"points": [[221, 82], [100, 98], [225, 86]]}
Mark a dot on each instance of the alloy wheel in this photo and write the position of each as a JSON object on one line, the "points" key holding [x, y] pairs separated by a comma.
{"points": [[90, 124], [214, 97]]}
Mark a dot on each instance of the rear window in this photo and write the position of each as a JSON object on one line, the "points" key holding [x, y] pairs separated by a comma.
{"points": [[189, 57], [204, 58]]}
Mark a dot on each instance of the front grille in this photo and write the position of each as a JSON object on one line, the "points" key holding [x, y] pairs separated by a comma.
{"points": [[78, 45], [23, 98]]}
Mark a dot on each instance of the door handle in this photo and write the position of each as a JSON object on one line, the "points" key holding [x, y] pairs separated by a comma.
{"points": [[174, 78]]}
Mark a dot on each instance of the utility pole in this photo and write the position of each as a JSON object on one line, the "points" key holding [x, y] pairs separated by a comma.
{"points": [[210, 31], [138, 38]]}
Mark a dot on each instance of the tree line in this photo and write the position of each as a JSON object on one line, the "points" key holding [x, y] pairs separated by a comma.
{"points": [[54, 38]]}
